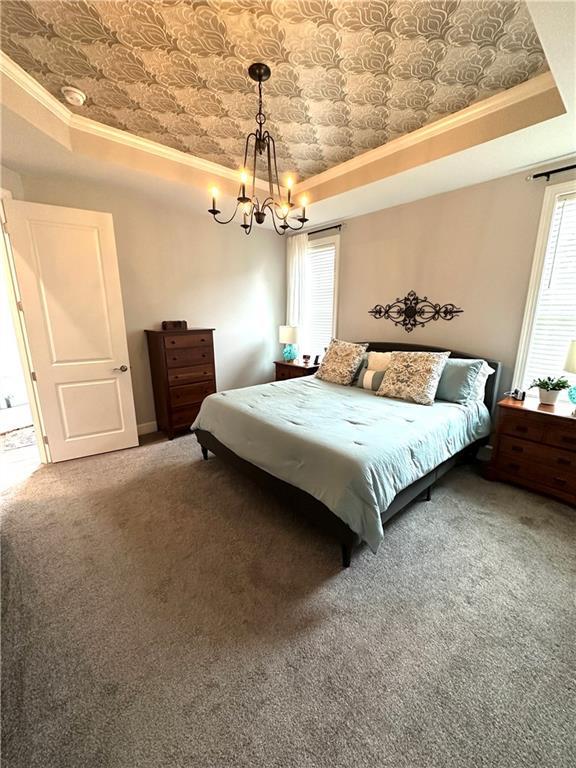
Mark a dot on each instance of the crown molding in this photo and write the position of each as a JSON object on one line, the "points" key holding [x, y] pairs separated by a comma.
{"points": [[536, 86], [531, 102], [78, 123]]}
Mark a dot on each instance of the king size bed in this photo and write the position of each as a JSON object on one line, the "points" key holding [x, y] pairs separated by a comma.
{"points": [[347, 458]]}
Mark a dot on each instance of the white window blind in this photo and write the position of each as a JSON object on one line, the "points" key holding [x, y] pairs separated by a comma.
{"points": [[553, 323], [319, 296]]}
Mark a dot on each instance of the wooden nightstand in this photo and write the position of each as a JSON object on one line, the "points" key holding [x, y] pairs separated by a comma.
{"points": [[293, 370], [535, 446]]}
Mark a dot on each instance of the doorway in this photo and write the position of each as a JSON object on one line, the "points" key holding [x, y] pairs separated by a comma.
{"points": [[19, 455]]}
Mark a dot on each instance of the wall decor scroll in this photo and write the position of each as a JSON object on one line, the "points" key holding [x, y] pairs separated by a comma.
{"points": [[413, 311]]}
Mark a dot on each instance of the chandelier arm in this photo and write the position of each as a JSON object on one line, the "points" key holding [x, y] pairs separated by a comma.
{"points": [[271, 140], [295, 229], [254, 157], [227, 220], [278, 231]]}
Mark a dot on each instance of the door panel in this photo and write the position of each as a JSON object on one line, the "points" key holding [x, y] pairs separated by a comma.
{"points": [[67, 272]]}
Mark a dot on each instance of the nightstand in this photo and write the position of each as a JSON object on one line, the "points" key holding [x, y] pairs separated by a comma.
{"points": [[535, 446], [293, 370]]}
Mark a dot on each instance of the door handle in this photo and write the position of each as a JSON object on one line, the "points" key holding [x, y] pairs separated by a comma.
{"points": [[122, 369]]}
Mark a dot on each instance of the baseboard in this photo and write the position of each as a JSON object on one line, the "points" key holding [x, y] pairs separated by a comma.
{"points": [[147, 427]]}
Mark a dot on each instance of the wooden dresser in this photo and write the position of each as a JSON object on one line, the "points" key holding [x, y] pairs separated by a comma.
{"points": [[182, 367], [293, 370], [535, 446]]}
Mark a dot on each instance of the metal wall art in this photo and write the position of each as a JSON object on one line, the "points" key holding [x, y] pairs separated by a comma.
{"points": [[413, 311]]}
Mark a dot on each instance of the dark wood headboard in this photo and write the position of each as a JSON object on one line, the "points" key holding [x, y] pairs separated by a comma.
{"points": [[492, 385]]}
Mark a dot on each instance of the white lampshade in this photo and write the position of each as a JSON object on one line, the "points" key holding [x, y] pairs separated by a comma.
{"points": [[570, 364], [288, 334]]}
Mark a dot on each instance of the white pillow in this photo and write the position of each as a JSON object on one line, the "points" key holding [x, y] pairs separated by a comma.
{"points": [[379, 361], [479, 388]]}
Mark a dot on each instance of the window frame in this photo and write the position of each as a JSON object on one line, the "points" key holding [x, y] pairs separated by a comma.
{"points": [[551, 195]]}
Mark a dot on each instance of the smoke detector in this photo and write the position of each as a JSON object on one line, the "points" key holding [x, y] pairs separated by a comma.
{"points": [[73, 96]]}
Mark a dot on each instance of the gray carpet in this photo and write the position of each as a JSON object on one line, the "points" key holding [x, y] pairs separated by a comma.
{"points": [[163, 611]]}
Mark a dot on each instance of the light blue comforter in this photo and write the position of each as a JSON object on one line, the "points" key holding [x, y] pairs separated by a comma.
{"points": [[350, 449]]}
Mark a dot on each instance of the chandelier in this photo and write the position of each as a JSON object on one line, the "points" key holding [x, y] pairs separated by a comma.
{"points": [[258, 143]]}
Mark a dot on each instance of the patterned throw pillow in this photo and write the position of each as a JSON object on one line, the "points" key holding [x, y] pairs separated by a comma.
{"points": [[369, 379], [341, 361], [413, 376]]}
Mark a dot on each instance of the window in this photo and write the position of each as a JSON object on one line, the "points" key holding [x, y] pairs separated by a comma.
{"points": [[319, 289], [550, 317]]}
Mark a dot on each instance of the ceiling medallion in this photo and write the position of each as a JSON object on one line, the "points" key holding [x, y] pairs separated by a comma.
{"points": [[261, 142]]}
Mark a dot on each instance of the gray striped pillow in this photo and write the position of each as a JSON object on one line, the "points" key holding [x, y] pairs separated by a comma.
{"points": [[368, 379]]}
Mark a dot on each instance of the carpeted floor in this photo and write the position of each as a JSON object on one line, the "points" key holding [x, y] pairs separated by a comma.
{"points": [[160, 611]]}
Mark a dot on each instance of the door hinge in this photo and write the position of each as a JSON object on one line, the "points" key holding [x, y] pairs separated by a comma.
{"points": [[20, 307], [45, 439], [33, 375]]}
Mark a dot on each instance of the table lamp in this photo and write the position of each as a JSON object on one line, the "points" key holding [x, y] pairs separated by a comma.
{"points": [[570, 367], [288, 336]]}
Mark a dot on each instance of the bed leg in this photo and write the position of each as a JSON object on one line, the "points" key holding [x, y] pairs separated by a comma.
{"points": [[205, 453], [346, 554], [428, 493]]}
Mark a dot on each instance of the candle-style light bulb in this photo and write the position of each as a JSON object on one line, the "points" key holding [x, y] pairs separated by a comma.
{"points": [[289, 184], [243, 180], [304, 203], [214, 192]]}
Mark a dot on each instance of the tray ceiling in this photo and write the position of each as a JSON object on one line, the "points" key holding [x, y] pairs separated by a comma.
{"points": [[347, 75]]}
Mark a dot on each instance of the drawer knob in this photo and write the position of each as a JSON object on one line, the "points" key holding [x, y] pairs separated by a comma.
{"points": [[560, 481], [564, 462], [520, 428], [517, 449], [173, 341], [514, 467]]}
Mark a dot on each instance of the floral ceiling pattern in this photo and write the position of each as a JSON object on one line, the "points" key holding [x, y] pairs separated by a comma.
{"points": [[347, 75]]}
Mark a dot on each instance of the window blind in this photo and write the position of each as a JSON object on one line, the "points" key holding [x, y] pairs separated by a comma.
{"points": [[554, 321], [319, 282]]}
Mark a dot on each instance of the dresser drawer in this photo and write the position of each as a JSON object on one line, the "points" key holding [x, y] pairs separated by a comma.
{"points": [[192, 393], [515, 448], [562, 436], [558, 478], [186, 340], [195, 373], [184, 417], [521, 425], [180, 358]]}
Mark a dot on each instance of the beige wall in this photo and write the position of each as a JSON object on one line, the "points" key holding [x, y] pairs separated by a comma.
{"points": [[176, 264], [473, 247]]}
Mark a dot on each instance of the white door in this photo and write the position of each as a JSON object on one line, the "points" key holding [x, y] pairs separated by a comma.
{"points": [[66, 271]]}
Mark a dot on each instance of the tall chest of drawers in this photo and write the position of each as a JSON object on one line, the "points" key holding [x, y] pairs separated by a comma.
{"points": [[183, 374], [535, 446]]}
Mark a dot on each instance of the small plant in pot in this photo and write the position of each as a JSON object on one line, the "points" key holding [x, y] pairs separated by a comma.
{"points": [[549, 388]]}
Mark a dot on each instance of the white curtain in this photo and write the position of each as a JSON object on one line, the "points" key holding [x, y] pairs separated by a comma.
{"points": [[295, 283]]}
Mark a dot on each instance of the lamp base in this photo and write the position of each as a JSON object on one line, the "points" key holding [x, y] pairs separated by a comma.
{"points": [[290, 353], [572, 398]]}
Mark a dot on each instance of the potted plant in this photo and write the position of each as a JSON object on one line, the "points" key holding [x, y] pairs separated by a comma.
{"points": [[550, 388]]}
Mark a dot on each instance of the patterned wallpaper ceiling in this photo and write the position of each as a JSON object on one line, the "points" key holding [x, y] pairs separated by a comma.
{"points": [[347, 75]]}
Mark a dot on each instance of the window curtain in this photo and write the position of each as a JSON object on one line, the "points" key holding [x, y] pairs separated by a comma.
{"points": [[295, 265]]}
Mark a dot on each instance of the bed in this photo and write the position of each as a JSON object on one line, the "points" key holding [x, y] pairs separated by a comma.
{"points": [[347, 458]]}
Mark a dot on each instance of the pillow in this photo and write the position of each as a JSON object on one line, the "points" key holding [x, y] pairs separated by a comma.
{"points": [[478, 390], [341, 362], [369, 379], [413, 376], [458, 379], [379, 361]]}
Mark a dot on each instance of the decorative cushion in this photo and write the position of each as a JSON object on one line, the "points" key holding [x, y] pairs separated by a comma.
{"points": [[341, 362], [413, 376], [369, 379], [379, 361], [479, 387], [458, 379]]}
